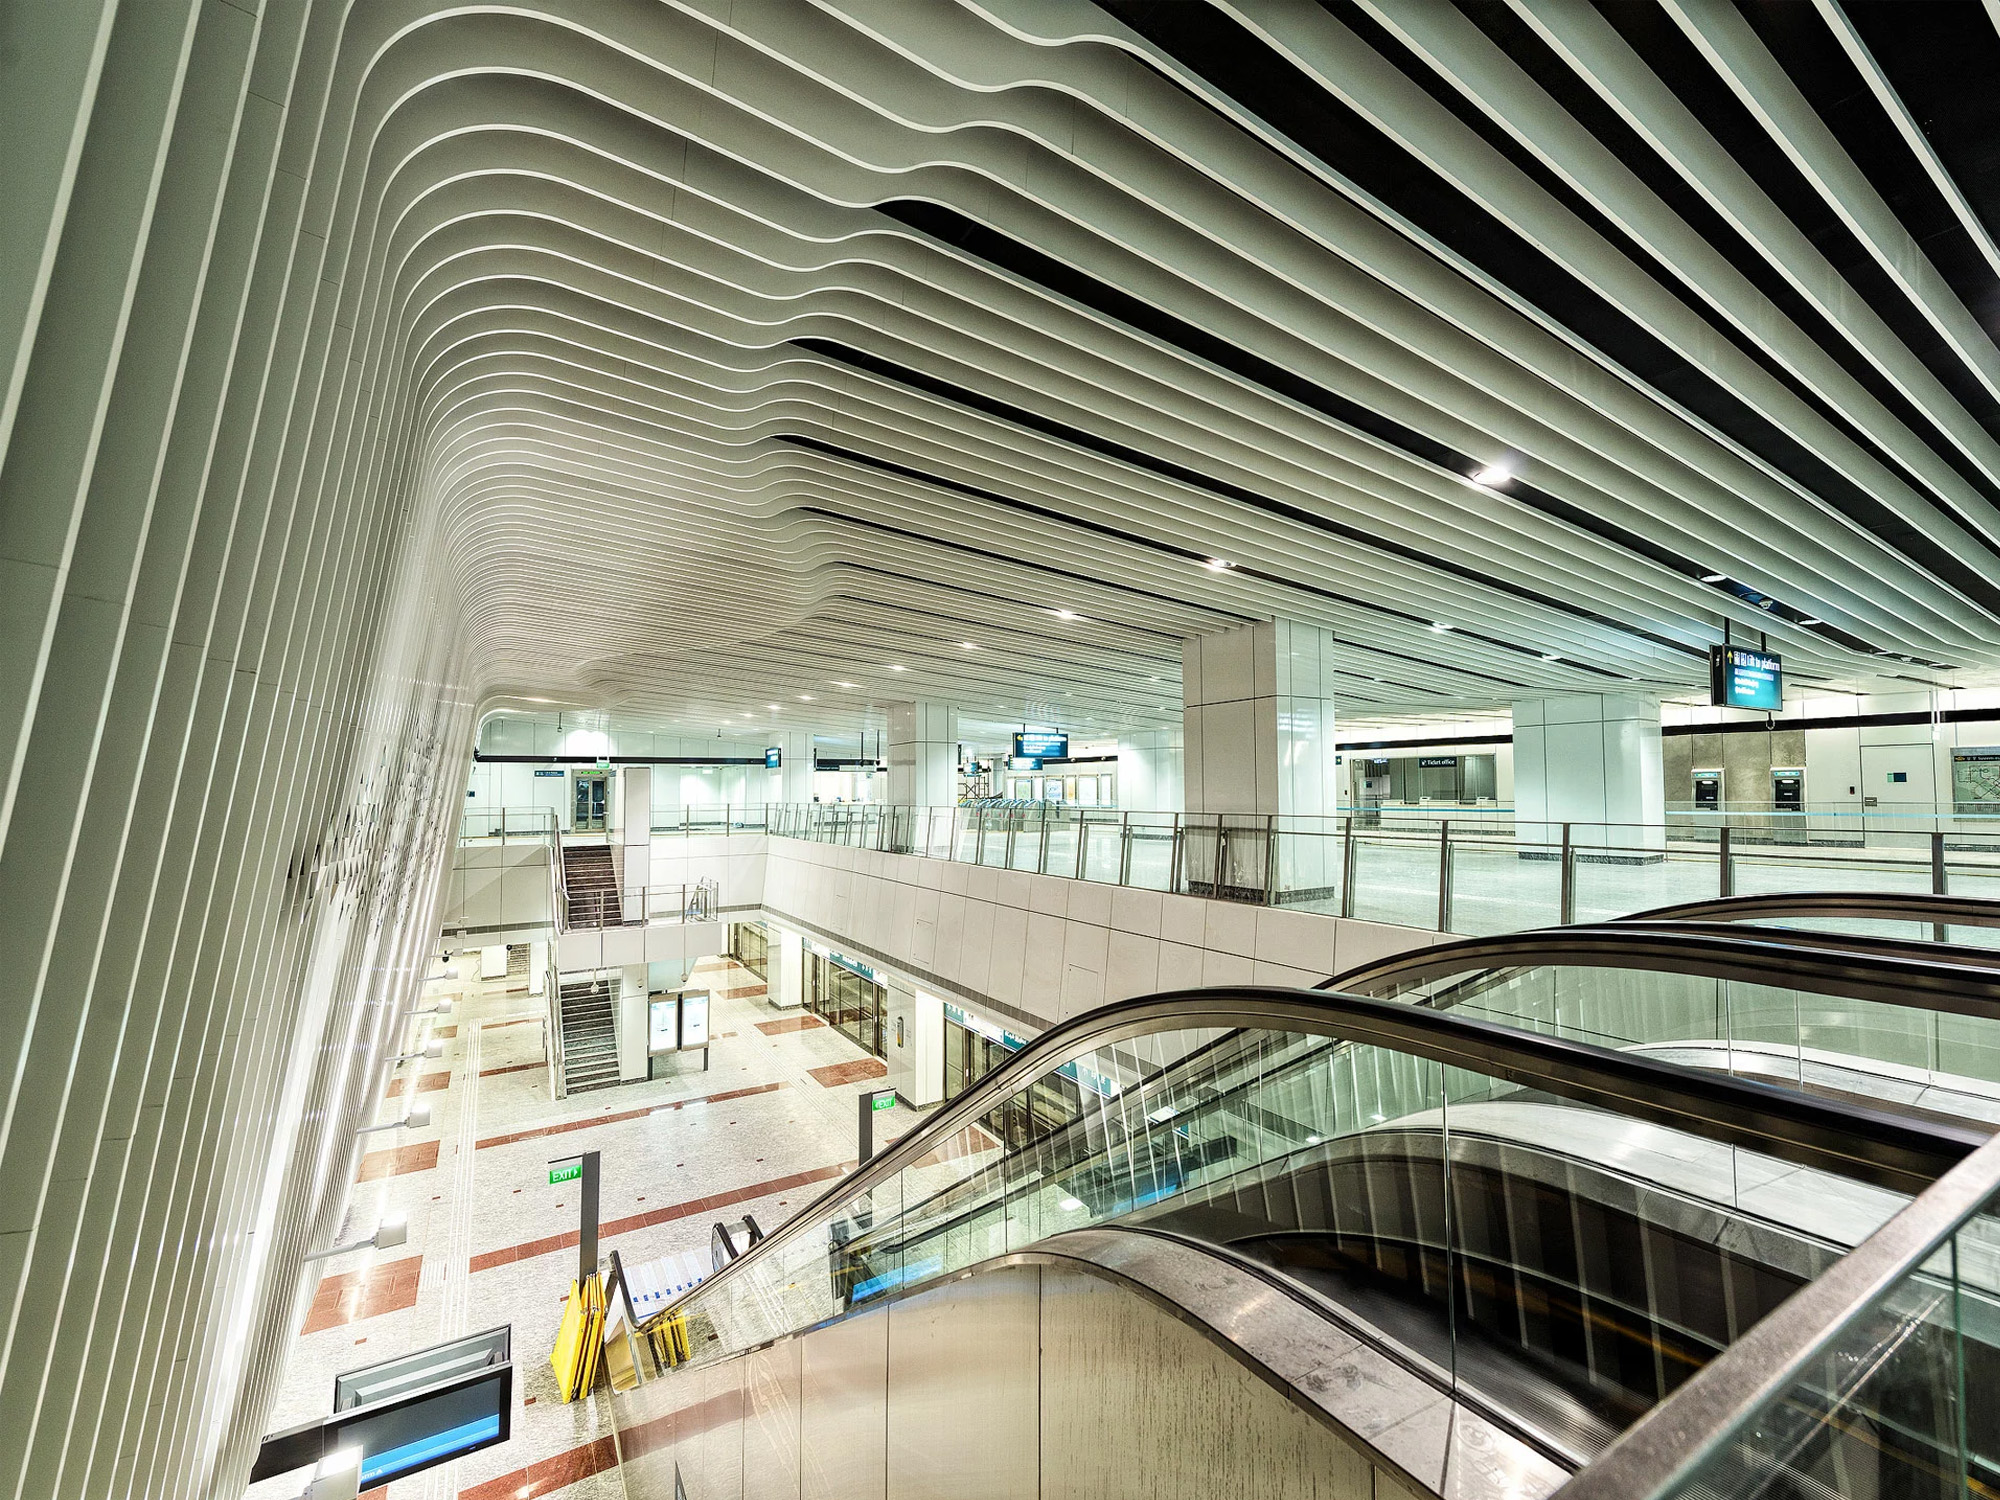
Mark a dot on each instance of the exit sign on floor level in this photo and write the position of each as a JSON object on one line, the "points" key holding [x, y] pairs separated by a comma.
{"points": [[568, 1172]]}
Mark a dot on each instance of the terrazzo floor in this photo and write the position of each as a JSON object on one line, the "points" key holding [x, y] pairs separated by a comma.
{"points": [[769, 1123]]}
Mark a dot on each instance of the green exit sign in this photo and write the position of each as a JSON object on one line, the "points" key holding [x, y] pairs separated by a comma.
{"points": [[568, 1172], [884, 1101]]}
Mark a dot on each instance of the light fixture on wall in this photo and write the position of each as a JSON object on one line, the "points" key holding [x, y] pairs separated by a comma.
{"points": [[431, 1050], [394, 1230], [419, 1118]]}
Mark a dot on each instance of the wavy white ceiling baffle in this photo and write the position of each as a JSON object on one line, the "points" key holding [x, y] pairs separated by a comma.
{"points": [[379, 365]]}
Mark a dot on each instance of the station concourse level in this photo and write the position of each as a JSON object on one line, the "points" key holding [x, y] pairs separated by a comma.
{"points": [[1010, 748]]}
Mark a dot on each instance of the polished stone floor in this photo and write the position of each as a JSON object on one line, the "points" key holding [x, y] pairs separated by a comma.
{"points": [[763, 1130]]}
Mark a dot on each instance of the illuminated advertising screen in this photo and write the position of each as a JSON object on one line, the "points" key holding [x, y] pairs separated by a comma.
{"points": [[1036, 744], [773, 758], [694, 1018], [663, 1031], [1740, 678]]}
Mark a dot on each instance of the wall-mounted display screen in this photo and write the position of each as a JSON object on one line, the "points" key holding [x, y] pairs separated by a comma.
{"points": [[1036, 744], [773, 758], [663, 1029], [694, 1018], [1023, 762], [1740, 678]]}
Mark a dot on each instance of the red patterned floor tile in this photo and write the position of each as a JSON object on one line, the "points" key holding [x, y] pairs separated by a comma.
{"points": [[387, 1287], [399, 1162], [833, 1075], [789, 1023]]}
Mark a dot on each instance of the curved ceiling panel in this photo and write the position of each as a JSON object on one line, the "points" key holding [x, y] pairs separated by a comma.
{"points": [[736, 350], [375, 363]]}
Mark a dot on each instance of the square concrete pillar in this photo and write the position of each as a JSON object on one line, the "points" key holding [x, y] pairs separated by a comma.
{"points": [[1592, 761], [923, 755], [633, 852], [785, 977], [1150, 771], [632, 1028], [1257, 730], [793, 780]]}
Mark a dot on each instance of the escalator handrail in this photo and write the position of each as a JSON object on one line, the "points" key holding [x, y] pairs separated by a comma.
{"points": [[1889, 971], [1891, 1150], [1910, 906], [1667, 1445]]}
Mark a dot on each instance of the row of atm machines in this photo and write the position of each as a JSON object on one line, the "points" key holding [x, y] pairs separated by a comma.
{"points": [[1788, 789]]}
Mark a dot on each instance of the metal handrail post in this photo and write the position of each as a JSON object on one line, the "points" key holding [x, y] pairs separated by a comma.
{"points": [[1566, 901], [1270, 859], [1176, 858], [1444, 875], [1125, 848], [1347, 858], [1725, 867], [1938, 879], [1082, 844]]}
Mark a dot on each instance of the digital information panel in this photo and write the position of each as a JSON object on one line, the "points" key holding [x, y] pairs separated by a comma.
{"points": [[1738, 678], [773, 758], [1037, 745], [694, 1018], [408, 1414]]}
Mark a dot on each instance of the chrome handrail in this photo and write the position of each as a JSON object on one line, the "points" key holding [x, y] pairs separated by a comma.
{"points": [[1668, 1444], [1889, 971], [1909, 906]]}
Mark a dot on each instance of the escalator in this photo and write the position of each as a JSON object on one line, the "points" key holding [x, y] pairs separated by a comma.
{"points": [[1894, 1022], [1280, 1236]]}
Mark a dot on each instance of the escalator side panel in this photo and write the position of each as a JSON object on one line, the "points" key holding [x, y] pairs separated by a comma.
{"points": [[1053, 1381], [843, 1408], [771, 1422]]}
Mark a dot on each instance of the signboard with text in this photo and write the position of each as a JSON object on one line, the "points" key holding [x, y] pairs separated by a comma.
{"points": [[1038, 744], [1741, 678]]}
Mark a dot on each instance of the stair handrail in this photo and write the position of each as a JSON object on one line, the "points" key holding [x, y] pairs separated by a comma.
{"points": [[562, 885], [552, 985]]}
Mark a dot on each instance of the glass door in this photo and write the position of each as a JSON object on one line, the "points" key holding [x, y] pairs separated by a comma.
{"points": [[587, 816]]}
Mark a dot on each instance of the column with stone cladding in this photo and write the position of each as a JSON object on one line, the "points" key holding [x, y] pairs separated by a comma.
{"points": [[1257, 731], [923, 755]]}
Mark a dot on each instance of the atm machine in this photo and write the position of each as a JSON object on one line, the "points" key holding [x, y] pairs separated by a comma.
{"points": [[1708, 790], [1788, 799], [1376, 785]]}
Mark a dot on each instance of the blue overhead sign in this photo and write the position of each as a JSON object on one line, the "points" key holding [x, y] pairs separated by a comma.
{"points": [[773, 758], [1037, 744], [1739, 678]]}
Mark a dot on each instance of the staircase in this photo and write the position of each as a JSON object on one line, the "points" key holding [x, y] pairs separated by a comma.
{"points": [[591, 883], [589, 1035]]}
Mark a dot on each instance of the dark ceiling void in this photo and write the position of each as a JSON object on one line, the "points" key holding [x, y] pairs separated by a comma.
{"points": [[1230, 58], [1149, 544], [1010, 254], [932, 385]]}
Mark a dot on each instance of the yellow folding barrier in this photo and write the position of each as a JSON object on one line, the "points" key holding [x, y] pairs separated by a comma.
{"points": [[579, 1349]]}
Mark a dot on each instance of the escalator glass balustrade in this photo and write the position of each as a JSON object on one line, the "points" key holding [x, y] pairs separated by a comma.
{"points": [[1557, 1235]]}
